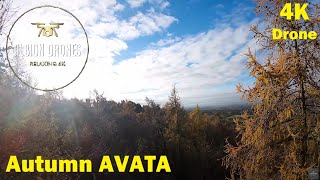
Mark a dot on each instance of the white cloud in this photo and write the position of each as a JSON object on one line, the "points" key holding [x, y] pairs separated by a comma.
{"points": [[136, 3], [199, 65], [144, 24], [161, 4], [105, 49], [166, 42], [141, 24]]}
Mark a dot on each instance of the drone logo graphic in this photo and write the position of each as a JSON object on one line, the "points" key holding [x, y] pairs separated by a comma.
{"points": [[48, 30]]}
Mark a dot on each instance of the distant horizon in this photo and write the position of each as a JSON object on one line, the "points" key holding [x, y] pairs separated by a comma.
{"points": [[162, 103]]}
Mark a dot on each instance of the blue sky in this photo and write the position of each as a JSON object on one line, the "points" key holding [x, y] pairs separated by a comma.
{"points": [[193, 17], [141, 48]]}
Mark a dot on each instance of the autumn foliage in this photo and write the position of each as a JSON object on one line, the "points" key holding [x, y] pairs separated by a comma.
{"points": [[280, 139]]}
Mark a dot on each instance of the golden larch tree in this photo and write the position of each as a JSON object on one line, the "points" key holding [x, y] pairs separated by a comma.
{"points": [[279, 139]]}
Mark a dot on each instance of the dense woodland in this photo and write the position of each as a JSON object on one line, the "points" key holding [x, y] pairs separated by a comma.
{"points": [[58, 128], [278, 138]]}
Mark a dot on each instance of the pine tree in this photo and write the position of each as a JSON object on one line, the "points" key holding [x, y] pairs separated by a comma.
{"points": [[176, 118], [280, 139]]}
